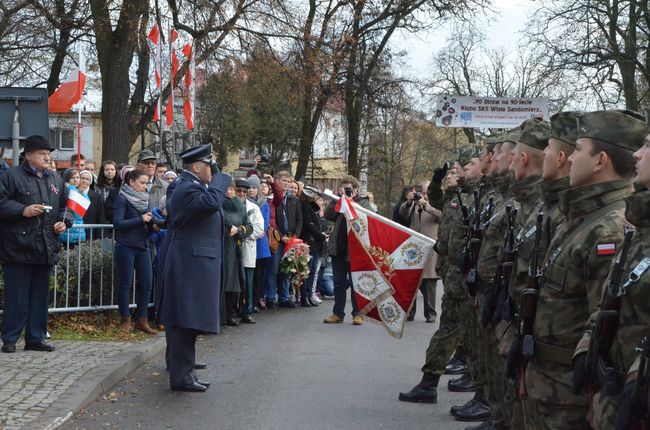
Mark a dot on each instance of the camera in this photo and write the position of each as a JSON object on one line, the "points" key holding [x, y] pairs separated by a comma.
{"points": [[348, 191], [417, 196], [157, 222], [47, 208]]}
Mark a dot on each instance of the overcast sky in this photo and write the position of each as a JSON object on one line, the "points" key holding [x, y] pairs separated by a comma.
{"points": [[502, 31]]}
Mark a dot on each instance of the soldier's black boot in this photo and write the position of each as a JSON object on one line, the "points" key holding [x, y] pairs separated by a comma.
{"points": [[478, 396], [477, 409], [456, 366], [464, 384], [485, 425], [424, 392]]}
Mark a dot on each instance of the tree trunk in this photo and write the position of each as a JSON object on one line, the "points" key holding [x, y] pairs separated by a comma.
{"points": [[115, 49]]}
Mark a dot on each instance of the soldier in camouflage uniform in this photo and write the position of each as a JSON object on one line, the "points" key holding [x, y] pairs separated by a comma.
{"points": [[526, 165], [478, 409], [555, 179], [492, 240], [634, 313], [455, 304], [577, 262]]}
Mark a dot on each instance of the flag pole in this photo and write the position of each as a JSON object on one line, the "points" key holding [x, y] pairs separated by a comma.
{"points": [[79, 115], [171, 126]]}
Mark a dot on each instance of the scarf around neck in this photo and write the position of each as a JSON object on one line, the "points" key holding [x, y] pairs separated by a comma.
{"points": [[139, 200]]}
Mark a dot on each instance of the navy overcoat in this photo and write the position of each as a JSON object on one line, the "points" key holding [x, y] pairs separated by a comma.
{"points": [[194, 254]]}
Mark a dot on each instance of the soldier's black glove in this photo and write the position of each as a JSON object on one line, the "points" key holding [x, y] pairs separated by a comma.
{"points": [[627, 416], [439, 174], [214, 167], [579, 373]]}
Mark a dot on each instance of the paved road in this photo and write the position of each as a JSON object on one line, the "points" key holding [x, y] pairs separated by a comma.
{"points": [[31, 381], [290, 371]]}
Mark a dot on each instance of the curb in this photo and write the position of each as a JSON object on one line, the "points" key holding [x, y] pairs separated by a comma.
{"points": [[96, 382]]}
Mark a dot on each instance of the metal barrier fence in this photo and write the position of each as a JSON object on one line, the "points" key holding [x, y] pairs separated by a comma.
{"points": [[86, 277]]}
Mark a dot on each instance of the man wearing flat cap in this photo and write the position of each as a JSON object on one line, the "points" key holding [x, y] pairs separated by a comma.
{"points": [[191, 290], [33, 199], [578, 259], [156, 187]]}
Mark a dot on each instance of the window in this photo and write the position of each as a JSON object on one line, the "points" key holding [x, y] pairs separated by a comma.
{"points": [[62, 138]]}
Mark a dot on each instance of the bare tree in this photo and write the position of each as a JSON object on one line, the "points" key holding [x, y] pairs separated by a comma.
{"points": [[603, 42]]}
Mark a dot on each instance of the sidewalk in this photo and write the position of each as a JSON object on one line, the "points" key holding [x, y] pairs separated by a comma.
{"points": [[42, 390]]}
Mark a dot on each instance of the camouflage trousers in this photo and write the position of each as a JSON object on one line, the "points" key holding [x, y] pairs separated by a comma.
{"points": [[495, 376], [602, 412], [554, 416], [450, 331], [510, 406], [475, 342]]}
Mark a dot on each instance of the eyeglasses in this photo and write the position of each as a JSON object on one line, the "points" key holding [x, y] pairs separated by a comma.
{"points": [[241, 190]]}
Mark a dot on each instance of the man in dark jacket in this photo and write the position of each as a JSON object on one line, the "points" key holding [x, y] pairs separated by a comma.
{"points": [[32, 207], [338, 249], [288, 218], [190, 301]]}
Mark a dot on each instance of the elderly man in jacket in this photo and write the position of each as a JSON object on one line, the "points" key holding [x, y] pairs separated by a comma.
{"points": [[32, 208], [156, 187], [424, 219]]}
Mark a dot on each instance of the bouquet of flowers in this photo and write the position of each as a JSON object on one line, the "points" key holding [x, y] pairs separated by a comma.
{"points": [[295, 261]]}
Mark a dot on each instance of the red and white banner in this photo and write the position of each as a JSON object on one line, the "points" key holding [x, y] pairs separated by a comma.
{"points": [[70, 91], [154, 36], [188, 104], [77, 203], [386, 263], [169, 111]]}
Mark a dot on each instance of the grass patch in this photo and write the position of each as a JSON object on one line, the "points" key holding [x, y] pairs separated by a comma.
{"points": [[99, 326]]}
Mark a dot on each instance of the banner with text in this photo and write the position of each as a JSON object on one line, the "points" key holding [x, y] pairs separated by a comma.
{"points": [[488, 112]]}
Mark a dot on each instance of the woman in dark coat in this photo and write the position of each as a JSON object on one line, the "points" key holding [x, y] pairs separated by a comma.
{"points": [[132, 218], [312, 234], [237, 228]]}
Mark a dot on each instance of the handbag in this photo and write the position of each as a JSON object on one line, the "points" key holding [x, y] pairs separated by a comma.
{"points": [[274, 237]]}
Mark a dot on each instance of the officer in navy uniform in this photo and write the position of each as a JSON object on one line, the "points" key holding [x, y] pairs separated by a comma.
{"points": [[191, 280]]}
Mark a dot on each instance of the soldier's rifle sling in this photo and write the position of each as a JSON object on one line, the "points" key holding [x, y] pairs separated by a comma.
{"points": [[529, 307], [492, 293]]}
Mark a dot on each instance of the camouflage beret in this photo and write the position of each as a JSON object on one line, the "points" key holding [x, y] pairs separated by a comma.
{"points": [[564, 127], [512, 135], [535, 133], [623, 128], [467, 152]]}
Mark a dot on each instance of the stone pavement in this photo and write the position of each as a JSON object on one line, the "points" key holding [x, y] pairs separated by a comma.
{"points": [[33, 384]]}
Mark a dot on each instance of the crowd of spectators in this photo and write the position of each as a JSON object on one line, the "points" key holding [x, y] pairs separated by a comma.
{"points": [[285, 244]]}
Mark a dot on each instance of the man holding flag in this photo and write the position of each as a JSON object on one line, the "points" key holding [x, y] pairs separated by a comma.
{"points": [[338, 248], [32, 216]]}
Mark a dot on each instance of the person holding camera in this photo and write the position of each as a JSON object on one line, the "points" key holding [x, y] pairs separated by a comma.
{"points": [[133, 221], [424, 219], [339, 251], [32, 208]]}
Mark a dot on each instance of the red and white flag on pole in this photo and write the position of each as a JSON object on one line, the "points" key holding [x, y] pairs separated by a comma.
{"points": [[169, 112], [154, 36], [77, 203], [70, 91], [386, 263], [188, 104]]}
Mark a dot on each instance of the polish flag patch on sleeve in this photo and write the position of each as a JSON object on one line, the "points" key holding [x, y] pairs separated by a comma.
{"points": [[454, 205], [606, 249]]}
